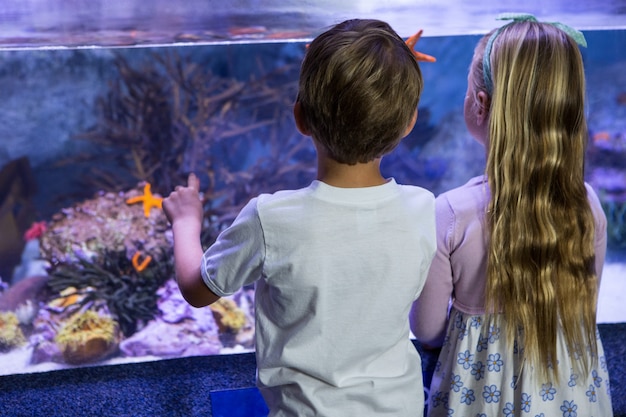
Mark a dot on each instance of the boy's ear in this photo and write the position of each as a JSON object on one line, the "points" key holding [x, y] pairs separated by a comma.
{"points": [[300, 122], [411, 125]]}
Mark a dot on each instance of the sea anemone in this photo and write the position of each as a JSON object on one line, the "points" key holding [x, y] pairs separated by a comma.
{"points": [[130, 296], [87, 337], [229, 317]]}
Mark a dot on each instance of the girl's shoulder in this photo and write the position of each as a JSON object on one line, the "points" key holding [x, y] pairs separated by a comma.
{"points": [[470, 196]]}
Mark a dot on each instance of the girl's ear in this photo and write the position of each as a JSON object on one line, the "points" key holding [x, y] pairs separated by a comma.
{"points": [[484, 103], [299, 118]]}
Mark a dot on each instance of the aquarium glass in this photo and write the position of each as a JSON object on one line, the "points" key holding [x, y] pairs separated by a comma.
{"points": [[107, 106]]}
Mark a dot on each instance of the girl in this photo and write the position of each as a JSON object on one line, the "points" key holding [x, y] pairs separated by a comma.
{"points": [[511, 294]]}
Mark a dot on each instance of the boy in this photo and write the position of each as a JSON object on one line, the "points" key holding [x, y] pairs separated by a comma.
{"points": [[338, 264]]}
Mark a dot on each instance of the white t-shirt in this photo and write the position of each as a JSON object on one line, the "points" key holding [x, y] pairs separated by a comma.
{"points": [[336, 272]]}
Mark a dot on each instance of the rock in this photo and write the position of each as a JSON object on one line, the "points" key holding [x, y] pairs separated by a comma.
{"points": [[46, 351], [163, 339], [106, 222], [88, 337], [25, 290], [92, 350]]}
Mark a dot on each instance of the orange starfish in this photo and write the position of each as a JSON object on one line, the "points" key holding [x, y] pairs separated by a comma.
{"points": [[143, 265], [418, 55], [148, 199]]}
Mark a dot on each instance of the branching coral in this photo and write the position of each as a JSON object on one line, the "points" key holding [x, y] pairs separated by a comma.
{"points": [[164, 117], [11, 335], [130, 296]]}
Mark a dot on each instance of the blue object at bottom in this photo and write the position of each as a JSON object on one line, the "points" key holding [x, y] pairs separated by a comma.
{"points": [[243, 402]]}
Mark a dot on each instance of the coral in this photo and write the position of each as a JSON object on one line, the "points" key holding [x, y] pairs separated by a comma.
{"points": [[87, 337], [103, 223], [616, 223], [230, 318], [130, 296], [11, 335], [158, 123], [35, 230], [154, 114], [30, 288], [26, 312]]}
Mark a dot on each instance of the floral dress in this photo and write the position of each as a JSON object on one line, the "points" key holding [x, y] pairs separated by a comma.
{"points": [[477, 375]]}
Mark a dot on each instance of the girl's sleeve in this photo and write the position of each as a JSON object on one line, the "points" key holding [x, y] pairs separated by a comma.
{"points": [[429, 314], [236, 258]]}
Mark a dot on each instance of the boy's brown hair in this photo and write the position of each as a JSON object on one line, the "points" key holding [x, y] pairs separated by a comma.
{"points": [[359, 89]]}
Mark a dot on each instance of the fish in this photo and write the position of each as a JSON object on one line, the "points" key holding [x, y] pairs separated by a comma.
{"points": [[602, 136]]}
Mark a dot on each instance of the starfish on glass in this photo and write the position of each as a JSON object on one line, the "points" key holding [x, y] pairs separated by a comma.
{"points": [[148, 200], [418, 55]]}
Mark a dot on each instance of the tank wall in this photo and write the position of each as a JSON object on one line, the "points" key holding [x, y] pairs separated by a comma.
{"points": [[89, 23]]}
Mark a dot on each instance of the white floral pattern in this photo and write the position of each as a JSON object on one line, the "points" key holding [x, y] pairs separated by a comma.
{"points": [[477, 375]]}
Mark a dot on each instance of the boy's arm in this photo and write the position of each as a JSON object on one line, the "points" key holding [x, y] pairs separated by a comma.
{"points": [[183, 209], [188, 258]]}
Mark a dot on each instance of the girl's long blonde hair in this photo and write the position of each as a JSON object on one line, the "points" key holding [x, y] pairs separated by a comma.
{"points": [[541, 258]]}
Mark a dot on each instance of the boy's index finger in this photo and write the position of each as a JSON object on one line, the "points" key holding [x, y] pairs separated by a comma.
{"points": [[193, 182]]}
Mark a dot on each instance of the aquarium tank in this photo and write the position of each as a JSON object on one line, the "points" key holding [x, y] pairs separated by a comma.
{"points": [[106, 106]]}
